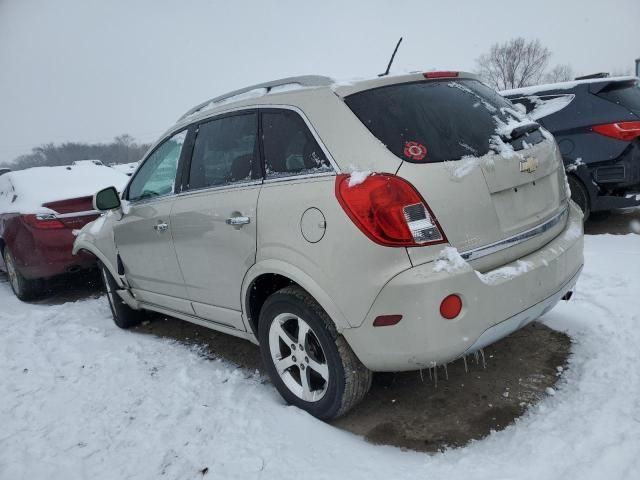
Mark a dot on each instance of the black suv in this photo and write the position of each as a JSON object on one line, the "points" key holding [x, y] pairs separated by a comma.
{"points": [[596, 123]]}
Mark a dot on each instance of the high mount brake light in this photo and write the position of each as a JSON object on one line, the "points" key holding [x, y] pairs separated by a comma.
{"points": [[443, 74], [626, 131], [389, 211], [43, 222]]}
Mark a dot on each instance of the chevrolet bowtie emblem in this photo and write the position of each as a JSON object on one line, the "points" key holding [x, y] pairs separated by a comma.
{"points": [[529, 165]]}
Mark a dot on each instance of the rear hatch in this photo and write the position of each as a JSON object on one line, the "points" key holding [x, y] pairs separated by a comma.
{"points": [[489, 174]]}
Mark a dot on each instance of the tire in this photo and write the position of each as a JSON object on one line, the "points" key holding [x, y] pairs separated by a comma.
{"points": [[25, 289], [580, 195], [123, 315], [326, 378]]}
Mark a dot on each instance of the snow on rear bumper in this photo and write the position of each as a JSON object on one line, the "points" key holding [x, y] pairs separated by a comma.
{"points": [[494, 305]]}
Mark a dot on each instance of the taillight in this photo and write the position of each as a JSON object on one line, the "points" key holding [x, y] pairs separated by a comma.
{"points": [[442, 74], [389, 211], [626, 131], [43, 222]]}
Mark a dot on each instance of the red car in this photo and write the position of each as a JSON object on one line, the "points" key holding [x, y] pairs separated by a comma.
{"points": [[39, 210]]}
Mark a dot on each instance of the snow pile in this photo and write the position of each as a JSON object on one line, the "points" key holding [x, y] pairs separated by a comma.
{"points": [[499, 275], [573, 166], [25, 191], [449, 260], [82, 399], [357, 177], [461, 168]]}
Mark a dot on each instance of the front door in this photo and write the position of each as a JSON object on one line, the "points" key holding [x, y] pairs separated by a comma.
{"points": [[143, 235], [214, 219]]}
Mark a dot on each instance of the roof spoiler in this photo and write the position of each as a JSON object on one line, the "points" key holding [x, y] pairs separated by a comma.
{"points": [[598, 87], [594, 75]]}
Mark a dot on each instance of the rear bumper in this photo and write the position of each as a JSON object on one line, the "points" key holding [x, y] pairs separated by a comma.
{"points": [[47, 253], [494, 305], [502, 329]]}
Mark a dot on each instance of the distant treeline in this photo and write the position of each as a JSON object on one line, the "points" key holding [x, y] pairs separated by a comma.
{"points": [[123, 149]]}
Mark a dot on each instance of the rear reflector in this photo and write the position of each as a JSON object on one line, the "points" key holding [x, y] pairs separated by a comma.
{"points": [[626, 131], [451, 306], [43, 222], [389, 211], [442, 74], [386, 320]]}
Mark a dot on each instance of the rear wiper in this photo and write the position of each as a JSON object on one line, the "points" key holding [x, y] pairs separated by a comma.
{"points": [[521, 130]]}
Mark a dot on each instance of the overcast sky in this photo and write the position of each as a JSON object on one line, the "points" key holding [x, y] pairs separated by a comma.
{"points": [[88, 70]]}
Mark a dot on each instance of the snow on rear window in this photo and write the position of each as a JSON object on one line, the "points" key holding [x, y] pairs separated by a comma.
{"points": [[434, 121], [25, 191]]}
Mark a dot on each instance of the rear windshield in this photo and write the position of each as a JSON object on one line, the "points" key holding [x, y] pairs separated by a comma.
{"points": [[626, 94], [434, 121]]}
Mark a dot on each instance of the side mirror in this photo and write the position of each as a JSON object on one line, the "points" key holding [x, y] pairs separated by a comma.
{"points": [[106, 199]]}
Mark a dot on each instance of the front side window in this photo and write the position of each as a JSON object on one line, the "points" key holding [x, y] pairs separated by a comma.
{"points": [[225, 152], [289, 146], [157, 175]]}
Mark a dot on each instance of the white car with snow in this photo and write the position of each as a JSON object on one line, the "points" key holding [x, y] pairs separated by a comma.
{"points": [[390, 224]]}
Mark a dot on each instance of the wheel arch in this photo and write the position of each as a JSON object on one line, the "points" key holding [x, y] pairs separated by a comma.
{"points": [[269, 276], [81, 245]]}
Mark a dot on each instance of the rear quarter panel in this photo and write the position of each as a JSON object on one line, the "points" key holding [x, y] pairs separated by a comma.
{"points": [[344, 271]]}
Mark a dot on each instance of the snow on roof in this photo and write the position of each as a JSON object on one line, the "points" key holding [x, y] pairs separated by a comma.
{"points": [[25, 191], [126, 168], [562, 85]]}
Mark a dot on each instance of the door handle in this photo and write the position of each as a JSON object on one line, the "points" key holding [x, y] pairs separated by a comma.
{"points": [[161, 227], [237, 221]]}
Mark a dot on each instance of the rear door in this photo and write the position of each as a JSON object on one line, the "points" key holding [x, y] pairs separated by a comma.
{"points": [[485, 170], [143, 235], [214, 219]]}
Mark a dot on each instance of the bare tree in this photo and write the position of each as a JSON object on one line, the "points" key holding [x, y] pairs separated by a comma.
{"points": [[513, 64], [123, 149], [559, 73]]}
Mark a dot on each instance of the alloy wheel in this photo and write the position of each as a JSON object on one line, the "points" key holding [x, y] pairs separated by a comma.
{"points": [[298, 357]]}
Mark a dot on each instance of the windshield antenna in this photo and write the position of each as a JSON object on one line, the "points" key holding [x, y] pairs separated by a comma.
{"points": [[393, 55]]}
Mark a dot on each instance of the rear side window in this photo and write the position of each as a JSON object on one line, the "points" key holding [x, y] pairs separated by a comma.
{"points": [[224, 152], [626, 94], [289, 147], [433, 121]]}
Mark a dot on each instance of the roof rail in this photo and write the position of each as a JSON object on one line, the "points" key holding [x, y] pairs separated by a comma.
{"points": [[304, 81]]}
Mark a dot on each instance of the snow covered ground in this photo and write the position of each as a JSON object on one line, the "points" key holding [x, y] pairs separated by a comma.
{"points": [[80, 398]]}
